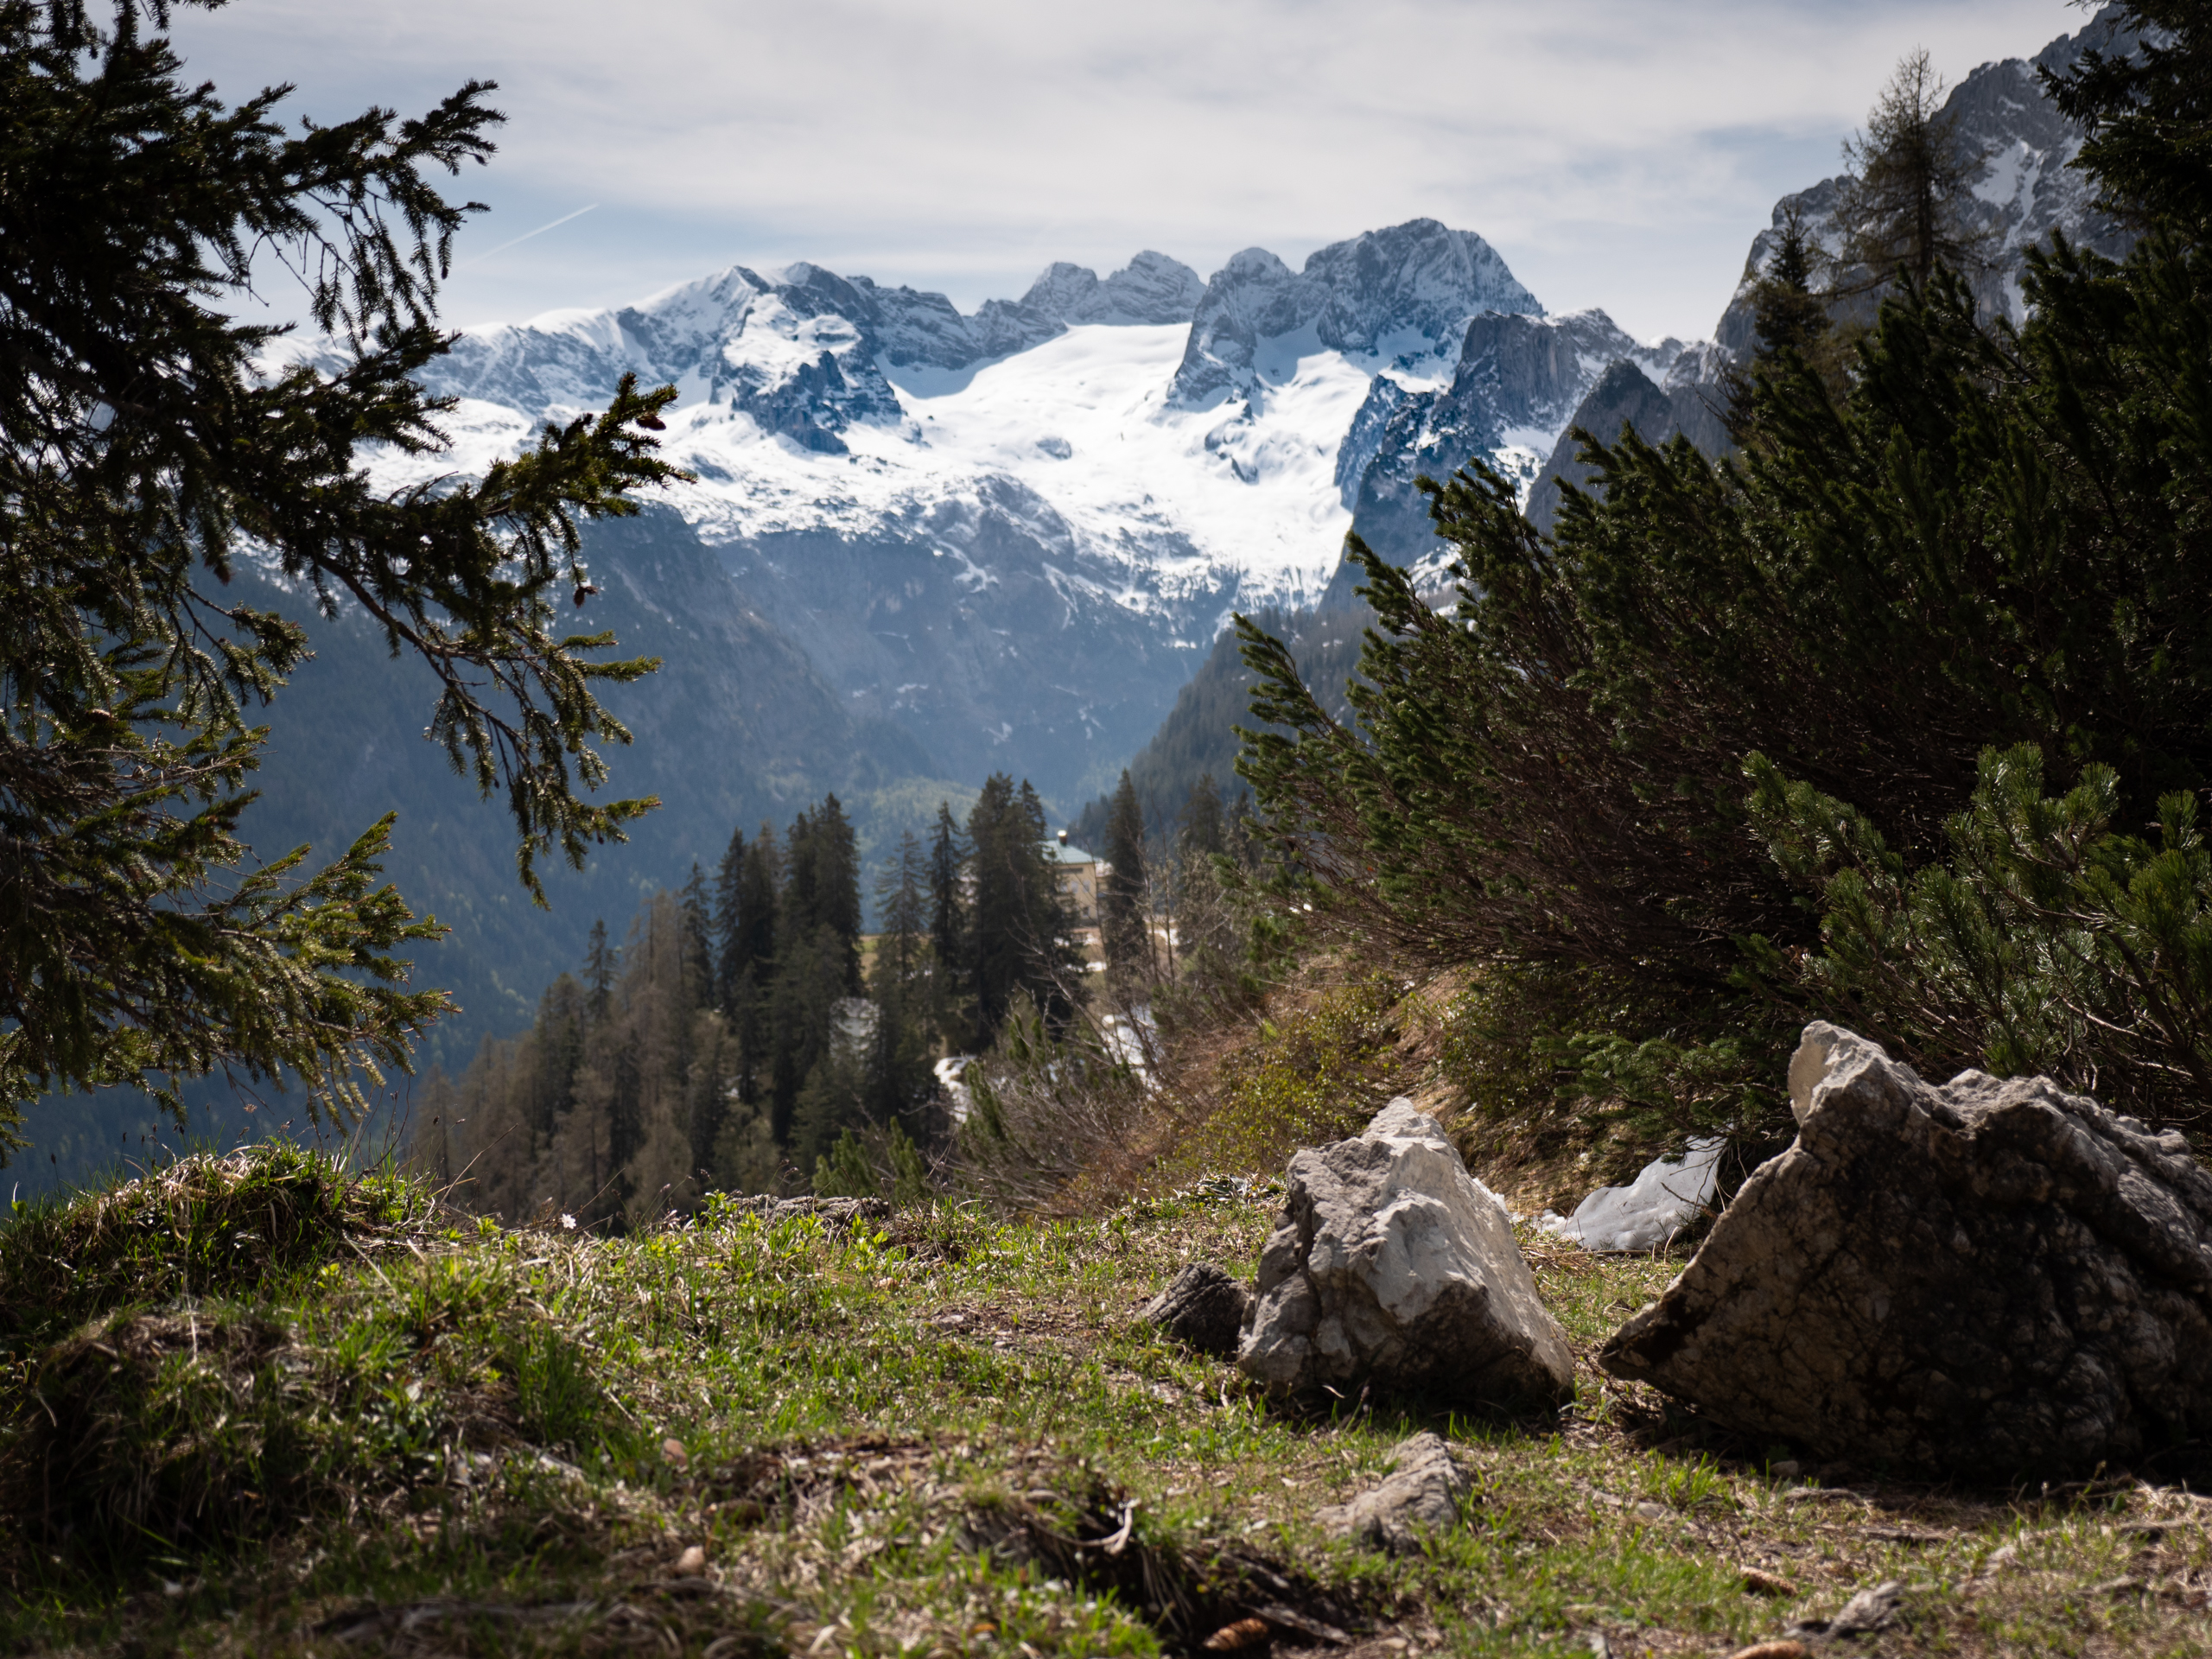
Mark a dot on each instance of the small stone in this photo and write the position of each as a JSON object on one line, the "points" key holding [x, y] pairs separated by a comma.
{"points": [[1786, 1469], [1389, 1266], [1202, 1307], [691, 1562], [1871, 1609], [1422, 1494]]}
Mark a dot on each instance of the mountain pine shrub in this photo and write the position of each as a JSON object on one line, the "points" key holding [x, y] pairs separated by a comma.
{"points": [[1903, 612]]}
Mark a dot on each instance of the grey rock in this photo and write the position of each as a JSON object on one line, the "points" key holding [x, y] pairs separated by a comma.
{"points": [[1992, 1278], [1151, 289], [1202, 1307], [2028, 194], [1872, 1609], [1409, 289], [835, 1212], [1422, 1494], [1623, 396], [1519, 378], [1390, 1267]]}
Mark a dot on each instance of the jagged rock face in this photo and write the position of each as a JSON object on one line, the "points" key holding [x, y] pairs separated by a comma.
{"points": [[1625, 397], [805, 357], [1409, 289], [2028, 193], [1409, 286], [1152, 289], [1390, 1268], [1989, 1279], [1517, 379], [1420, 1496]]}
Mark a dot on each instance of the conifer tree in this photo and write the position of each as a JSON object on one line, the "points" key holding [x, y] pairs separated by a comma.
{"points": [[1124, 896], [602, 962], [1019, 929], [817, 957], [899, 1073], [1792, 328], [143, 449], [1199, 832], [749, 961], [729, 879], [952, 960], [698, 940], [1907, 202]]}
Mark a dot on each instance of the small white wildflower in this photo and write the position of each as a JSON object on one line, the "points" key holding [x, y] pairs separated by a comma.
{"points": [[568, 1223]]}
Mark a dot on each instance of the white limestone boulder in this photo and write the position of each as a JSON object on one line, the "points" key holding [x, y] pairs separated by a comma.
{"points": [[1391, 1268]]}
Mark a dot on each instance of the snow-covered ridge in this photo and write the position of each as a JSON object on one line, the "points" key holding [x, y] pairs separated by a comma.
{"points": [[1168, 435]]}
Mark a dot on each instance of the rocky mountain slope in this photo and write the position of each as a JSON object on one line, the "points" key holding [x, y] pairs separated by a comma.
{"points": [[2028, 194]]}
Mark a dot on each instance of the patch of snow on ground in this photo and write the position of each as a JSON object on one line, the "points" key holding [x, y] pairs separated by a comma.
{"points": [[1666, 1197]]}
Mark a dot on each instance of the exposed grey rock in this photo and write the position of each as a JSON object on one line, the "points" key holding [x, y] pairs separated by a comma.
{"points": [[1519, 378], [1422, 1494], [2028, 192], [1390, 1266], [1151, 289], [1991, 1278], [835, 1212], [1409, 289], [1202, 1307], [1872, 1609], [1623, 396]]}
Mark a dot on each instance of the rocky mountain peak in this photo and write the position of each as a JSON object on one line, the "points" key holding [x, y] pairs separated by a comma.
{"points": [[1152, 289], [1409, 289]]}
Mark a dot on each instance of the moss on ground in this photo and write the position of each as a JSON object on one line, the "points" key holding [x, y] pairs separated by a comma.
{"points": [[925, 1439]]}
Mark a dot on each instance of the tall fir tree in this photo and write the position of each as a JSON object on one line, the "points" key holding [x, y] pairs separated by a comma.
{"points": [[951, 960], [1020, 929], [1125, 892], [602, 963], [147, 444], [729, 879], [899, 1070]]}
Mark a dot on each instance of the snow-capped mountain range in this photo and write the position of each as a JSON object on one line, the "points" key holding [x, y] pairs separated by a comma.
{"points": [[1012, 530]]}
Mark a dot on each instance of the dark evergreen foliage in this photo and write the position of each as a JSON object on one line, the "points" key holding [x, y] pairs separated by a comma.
{"points": [[1125, 892], [1020, 933], [951, 941], [140, 448], [1742, 743]]}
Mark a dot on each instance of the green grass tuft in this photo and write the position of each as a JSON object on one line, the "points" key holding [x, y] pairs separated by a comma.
{"points": [[205, 1226]]}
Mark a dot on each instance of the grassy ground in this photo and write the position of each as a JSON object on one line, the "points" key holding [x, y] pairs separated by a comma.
{"points": [[943, 1436]]}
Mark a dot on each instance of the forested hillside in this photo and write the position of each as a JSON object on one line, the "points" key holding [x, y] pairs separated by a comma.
{"points": [[738, 1031]]}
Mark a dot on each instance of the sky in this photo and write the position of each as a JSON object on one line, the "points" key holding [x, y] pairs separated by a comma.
{"points": [[1617, 153]]}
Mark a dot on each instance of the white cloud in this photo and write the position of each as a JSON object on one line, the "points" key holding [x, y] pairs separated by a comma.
{"points": [[1618, 152]]}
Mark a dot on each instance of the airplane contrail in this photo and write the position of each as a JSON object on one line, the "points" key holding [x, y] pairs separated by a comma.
{"points": [[525, 237]]}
